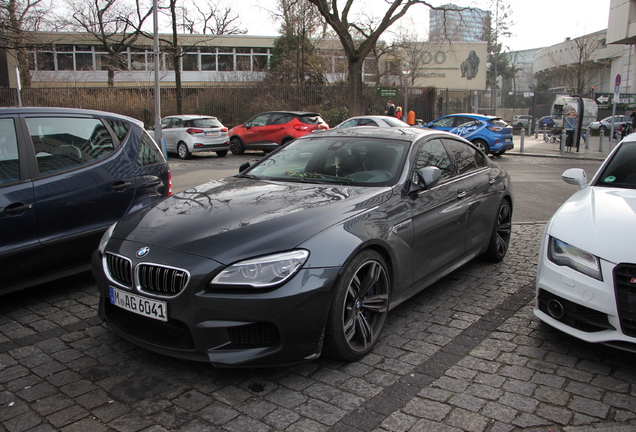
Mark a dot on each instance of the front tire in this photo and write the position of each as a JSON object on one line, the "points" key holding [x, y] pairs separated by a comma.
{"points": [[500, 238], [182, 151], [236, 146], [359, 308]]}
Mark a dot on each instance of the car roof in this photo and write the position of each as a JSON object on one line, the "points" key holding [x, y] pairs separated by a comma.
{"points": [[481, 116], [189, 116], [61, 110], [299, 113], [399, 133]]}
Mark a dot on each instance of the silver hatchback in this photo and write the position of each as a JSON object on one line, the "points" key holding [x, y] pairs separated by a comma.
{"points": [[187, 134]]}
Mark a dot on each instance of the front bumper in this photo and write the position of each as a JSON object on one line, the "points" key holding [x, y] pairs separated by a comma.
{"points": [[588, 309], [232, 327]]}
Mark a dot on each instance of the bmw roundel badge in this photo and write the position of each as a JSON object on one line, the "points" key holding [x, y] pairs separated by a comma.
{"points": [[143, 252]]}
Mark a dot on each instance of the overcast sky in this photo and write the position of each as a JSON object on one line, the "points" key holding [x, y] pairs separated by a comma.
{"points": [[537, 23]]}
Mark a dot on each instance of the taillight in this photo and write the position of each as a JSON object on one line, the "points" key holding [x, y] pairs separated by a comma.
{"points": [[169, 183], [495, 128], [193, 131], [301, 127], [223, 129]]}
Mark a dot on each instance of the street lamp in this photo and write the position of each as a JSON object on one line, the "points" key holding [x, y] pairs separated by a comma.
{"points": [[406, 70]]}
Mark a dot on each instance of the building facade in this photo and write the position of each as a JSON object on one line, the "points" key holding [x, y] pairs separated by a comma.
{"points": [[455, 23]]}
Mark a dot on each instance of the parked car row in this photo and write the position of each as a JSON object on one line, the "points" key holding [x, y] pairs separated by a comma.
{"points": [[306, 251]]}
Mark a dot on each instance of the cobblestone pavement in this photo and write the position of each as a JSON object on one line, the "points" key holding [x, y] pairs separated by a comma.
{"points": [[467, 354]]}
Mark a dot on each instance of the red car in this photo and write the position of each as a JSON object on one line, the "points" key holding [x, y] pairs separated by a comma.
{"points": [[267, 131]]}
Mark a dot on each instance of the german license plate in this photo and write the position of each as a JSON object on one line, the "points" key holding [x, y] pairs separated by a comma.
{"points": [[211, 134], [150, 308]]}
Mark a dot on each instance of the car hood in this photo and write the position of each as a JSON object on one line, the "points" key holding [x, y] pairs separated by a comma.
{"points": [[234, 218], [600, 221]]}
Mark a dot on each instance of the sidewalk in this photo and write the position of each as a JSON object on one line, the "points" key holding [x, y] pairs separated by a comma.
{"points": [[538, 147]]}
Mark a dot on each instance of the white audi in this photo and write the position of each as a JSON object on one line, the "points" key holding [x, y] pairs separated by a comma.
{"points": [[586, 278]]}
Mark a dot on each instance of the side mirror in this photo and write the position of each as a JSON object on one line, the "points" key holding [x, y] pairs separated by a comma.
{"points": [[425, 178], [244, 166], [575, 176]]}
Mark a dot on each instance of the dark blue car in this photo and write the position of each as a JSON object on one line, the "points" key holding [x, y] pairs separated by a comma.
{"points": [[546, 122], [66, 175], [490, 134]]}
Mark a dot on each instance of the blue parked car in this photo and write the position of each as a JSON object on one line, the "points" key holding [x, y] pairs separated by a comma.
{"points": [[546, 122], [490, 134]]}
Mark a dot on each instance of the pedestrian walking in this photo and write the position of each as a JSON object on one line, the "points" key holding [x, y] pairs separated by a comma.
{"points": [[398, 113], [390, 109]]}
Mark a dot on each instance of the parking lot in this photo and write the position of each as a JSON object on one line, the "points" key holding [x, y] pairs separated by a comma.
{"points": [[467, 354]]}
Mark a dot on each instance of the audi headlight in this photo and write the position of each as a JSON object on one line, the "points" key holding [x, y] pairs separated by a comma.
{"points": [[105, 238], [264, 271], [567, 255]]}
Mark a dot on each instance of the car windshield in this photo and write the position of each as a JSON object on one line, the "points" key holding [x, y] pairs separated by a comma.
{"points": [[393, 122], [311, 119], [204, 123], [498, 122], [355, 160], [621, 170]]}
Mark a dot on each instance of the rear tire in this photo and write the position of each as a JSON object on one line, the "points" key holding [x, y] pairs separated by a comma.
{"points": [[182, 150], [236, 146], [221, 153], [481, 145], [359, 308], [500, 237]]}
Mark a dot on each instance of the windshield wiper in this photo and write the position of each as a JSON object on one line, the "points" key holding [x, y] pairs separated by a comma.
{"points": [[314, 177]]}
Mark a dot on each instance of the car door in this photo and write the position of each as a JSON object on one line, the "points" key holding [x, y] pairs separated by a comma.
{"points": [[20, 250], [276, 128], [478, 187], [169, 134], [255, 129], [84, 183], [440, 215]]}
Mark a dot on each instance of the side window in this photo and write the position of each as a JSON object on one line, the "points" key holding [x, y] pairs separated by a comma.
{"points": [[9, 160], [177, 123], [461, 120], [464, 155], [259, 120], [62, 143], [444, 122], [120, 128], [149, 153], [433, 153], [165, 123], [279, 118], [367, 122]]}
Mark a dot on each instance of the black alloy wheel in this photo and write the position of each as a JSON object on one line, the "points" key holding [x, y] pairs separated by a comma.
{"points": [[359, 308], [500, 238], [236, 146]]}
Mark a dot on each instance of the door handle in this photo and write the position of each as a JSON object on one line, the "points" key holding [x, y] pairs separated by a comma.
{"points": [[119, 186], [17, 208], [462, 194]]}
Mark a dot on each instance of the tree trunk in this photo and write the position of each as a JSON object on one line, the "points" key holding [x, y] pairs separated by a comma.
{"points": [[355, 88]]}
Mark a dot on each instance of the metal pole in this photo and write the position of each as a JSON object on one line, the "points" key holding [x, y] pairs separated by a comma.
{"points": [[158, 137], [18, 85], [600, 141], [563, 139], [523, 136]]}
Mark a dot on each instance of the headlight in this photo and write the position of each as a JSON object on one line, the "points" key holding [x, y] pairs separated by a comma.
{"points": [[567, 255], [105, 238], [264, 271]]}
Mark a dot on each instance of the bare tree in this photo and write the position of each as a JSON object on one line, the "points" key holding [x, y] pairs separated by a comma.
{"points": [[295, 58], [114, 23], [17, 19], [357, 41], [576, 68], [214, 19]]}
